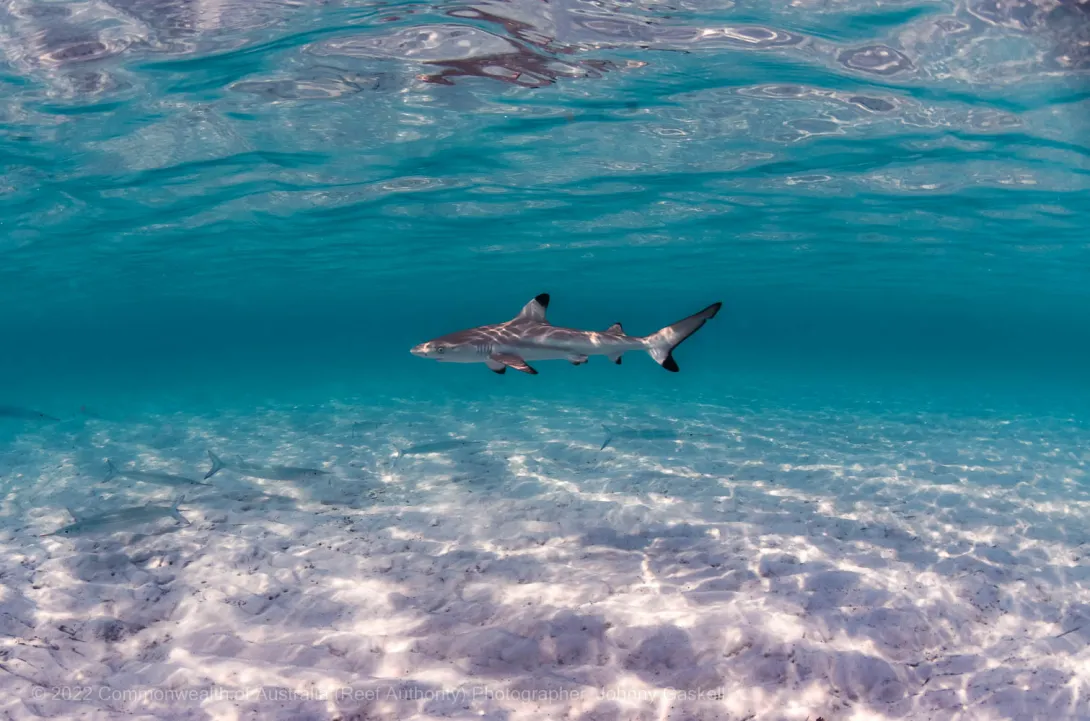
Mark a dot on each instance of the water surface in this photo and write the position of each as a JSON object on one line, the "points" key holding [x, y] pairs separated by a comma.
{"points": [[193, 189]]}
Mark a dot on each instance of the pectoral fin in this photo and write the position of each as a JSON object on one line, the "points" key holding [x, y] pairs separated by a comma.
{"points": [[512, 361], [495, 366]]}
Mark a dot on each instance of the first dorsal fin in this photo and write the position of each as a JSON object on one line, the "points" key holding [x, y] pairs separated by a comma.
{"points": [[535, 309], [615, 329]]}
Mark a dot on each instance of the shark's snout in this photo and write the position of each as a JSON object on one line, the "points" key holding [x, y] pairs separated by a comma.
{"points": [[420, 350]]}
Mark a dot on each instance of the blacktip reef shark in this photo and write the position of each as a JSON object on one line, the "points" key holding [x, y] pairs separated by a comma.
{"points": [[166, 479], [269, 473], [530, 337]]}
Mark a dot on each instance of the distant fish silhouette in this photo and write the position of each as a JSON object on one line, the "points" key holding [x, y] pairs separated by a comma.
{"points": [[85, 411], [119, 520], [165, 479], [269, 473], [360, 427], [648, 434], [25, 414], [424, 449]]}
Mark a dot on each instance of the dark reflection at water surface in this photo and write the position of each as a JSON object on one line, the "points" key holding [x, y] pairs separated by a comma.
{"points": [[532, 43]]}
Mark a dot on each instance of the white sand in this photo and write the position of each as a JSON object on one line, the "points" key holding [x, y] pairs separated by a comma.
{"points": [[788, 566]]}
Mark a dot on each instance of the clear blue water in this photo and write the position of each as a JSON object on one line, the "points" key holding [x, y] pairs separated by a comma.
{"points": [[224, 223], [211, 202]]}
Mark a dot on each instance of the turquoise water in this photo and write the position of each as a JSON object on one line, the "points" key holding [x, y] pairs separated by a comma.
{"points": [[276, 200], [224, 224]]}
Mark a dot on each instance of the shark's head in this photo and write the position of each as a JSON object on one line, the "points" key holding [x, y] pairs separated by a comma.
{"points": [[453, 348]]}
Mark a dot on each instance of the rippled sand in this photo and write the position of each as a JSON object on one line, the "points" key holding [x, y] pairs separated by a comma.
{"points": [[773, 564]]}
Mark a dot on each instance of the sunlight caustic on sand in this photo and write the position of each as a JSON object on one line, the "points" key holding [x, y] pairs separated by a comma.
{"points": [[708, 581]]}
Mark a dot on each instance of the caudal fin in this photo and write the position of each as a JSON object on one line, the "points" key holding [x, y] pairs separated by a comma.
{"points": [[609, 437], [111, 471], [217, 465], [661, 345], [176, 513]]}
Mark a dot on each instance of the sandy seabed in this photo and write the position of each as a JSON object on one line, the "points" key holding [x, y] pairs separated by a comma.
{"points": [[773, 564]]}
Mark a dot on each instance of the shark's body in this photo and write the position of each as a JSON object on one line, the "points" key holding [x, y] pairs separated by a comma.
{"points": [[269, 473], [165, 479], [530, 337]]}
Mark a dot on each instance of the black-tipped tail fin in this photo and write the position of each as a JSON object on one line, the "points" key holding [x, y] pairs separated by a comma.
{"points": [[661, 345]]}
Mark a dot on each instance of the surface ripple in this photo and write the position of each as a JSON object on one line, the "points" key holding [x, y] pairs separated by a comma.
{"points": [[747, 135]]}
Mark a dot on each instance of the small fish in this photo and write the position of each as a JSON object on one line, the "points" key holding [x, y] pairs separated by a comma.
{"points": [[361, 427], [648, 434], [25, 414], [165, 479], [424, 449], [269, 473], [119, 520]]}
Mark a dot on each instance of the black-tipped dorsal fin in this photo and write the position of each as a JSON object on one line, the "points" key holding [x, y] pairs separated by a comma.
{"points": [[615, 329], [535, 309]]}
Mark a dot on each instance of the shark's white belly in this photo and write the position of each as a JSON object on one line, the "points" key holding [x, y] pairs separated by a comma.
{"points": [[566, 350], [536, 353]]}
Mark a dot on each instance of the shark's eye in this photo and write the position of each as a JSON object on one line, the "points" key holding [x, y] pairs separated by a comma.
{"points": [[440, 349]]}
